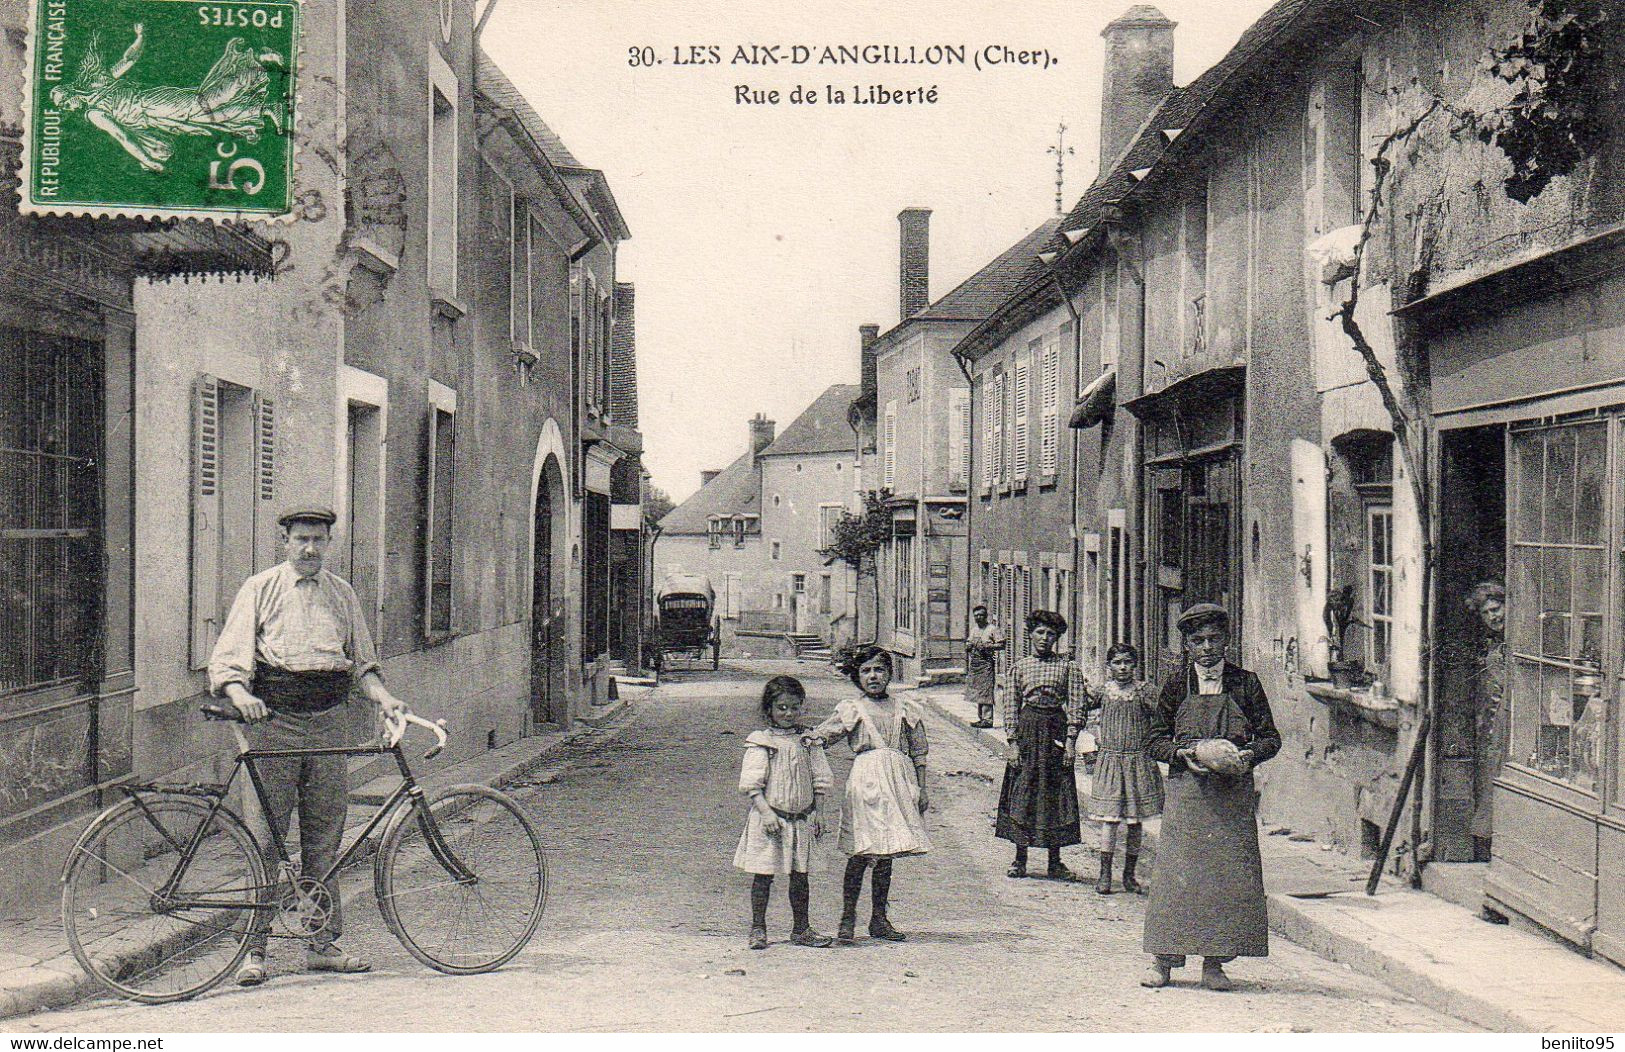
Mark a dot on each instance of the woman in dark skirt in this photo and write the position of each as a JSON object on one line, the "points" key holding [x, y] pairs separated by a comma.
{"points": [[1044, 710], [1208, 896]]}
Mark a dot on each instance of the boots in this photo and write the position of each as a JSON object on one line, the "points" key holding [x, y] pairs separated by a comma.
{"points": [[803, 934], [1130, 885], [1103, 886], [760, 888], [879, 895], [851, 887]]}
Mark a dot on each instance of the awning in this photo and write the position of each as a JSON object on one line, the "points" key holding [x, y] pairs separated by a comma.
{"points": [[1098, 401], [1205, 386]]}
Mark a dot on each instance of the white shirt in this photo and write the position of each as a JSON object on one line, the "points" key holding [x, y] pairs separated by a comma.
{"points": [[1210, 680]]}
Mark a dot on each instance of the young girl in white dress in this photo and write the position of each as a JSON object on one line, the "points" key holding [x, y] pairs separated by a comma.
{"points": [[786, 781], [885, 802]]}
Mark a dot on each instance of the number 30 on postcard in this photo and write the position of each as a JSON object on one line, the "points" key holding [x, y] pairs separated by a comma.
{"points": [[161, 108]]}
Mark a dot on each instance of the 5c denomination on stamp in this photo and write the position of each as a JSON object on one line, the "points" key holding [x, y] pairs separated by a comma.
{"points": [[161, 108]]}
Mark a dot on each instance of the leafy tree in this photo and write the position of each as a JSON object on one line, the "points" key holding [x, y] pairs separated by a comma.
{"points": [[857, 539], [659, 504]]}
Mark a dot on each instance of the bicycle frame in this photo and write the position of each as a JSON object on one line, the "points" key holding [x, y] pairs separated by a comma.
{"points": [[407, 790]]}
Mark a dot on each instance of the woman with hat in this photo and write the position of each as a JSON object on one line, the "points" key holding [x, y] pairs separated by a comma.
{"points": [[1044, 711], [1212, 726]]}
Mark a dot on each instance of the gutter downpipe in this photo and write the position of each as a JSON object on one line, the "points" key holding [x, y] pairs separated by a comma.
{"points": [[970, 499]]}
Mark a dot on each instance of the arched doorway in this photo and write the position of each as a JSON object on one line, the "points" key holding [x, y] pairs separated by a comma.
{"points": [[548, 703]]}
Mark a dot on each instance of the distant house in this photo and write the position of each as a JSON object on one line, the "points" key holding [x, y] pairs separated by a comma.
{"points": [[923, 448], [756, 527]]}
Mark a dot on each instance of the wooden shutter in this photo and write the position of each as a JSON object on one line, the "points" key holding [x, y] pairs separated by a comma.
{"points": [[1021, 410], [205, 584], [1000, 408], [959, 438], [1049, 409], [987, 434]]}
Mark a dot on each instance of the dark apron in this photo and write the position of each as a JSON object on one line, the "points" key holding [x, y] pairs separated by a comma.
{"points": [[1038, 804], [301, 692], [1207, 897]]}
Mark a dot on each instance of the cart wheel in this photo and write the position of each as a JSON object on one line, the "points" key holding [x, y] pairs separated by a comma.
{"points": [[657, 662], [716, 656]]}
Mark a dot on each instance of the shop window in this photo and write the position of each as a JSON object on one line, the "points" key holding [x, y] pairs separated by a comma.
{"points": [[1194, 546], [1555, 599]]}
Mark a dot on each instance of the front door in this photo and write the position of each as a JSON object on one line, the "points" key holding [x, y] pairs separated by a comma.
{"points": [[543, 613]]}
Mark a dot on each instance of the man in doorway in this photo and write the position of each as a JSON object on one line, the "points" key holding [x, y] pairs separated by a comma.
{"points": [[294, 645], [982, 645]]}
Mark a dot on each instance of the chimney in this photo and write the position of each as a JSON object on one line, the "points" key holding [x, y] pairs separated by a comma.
{"points": [[1139, 74], [914, 261], [869, 382], [761, 434], [707, 475]]}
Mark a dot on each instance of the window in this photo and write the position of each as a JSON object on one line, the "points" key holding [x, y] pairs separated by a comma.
{"points": [[713, 532], [778, 600], [438, 505], [829, 517], [889, 449], [1021, 409], [826, 593], [1049, 381], [365, 431], [912, 384], [730, 595], [741, 525], [798, 583], [1194, 276], [497, 231], [537, 279], [51, 431], [595, 522], [1555, 600], [1001, 407], [988, 442], [1380, 583], [775, 551], [1360, 524], [903, 580], [775, 500], [1336, 150], [443, 179], [959, 451]]}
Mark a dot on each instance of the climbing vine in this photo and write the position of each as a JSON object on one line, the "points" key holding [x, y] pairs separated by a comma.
{"points": [[1566, 74]]}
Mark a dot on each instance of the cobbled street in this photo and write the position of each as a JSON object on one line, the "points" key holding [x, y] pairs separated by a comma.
{"points": [[646, 922]]}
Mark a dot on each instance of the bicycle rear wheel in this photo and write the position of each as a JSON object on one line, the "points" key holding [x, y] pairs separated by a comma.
{"points": [[124, 936], [462, 924]]}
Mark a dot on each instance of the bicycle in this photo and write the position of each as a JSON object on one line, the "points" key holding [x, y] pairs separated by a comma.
{"points": [[163, 891]]}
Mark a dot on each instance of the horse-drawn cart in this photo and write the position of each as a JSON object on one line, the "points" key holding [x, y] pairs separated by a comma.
{"points": [[686, 625]]}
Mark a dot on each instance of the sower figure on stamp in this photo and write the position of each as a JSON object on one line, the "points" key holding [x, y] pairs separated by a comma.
{"points": [[1212, 726], [293, 646], [1044, 711], [982, 646]]}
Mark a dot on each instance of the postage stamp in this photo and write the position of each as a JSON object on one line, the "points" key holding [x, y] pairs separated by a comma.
{"points": [[161, 108]]}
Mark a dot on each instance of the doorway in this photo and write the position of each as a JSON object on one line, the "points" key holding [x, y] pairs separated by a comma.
{"points": [[547, 703]]}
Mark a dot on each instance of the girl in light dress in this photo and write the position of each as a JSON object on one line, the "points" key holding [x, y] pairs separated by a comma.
{"points": [[885, 804], [1127, 787], [786, 781]]}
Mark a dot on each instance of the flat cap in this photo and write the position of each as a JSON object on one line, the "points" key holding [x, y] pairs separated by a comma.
{"points": [[307, 513], [1203, 613]]}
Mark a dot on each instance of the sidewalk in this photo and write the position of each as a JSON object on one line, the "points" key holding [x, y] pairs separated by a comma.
{"points": [[37, 971], [1437, 952]]}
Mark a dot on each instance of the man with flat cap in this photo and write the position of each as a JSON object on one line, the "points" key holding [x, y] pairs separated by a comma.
{"points": [[293, 646], [1212, 726]]}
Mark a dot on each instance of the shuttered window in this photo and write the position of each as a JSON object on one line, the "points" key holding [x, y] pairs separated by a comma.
{"points": [[1000, 408], [1021, 410], [959, 438], [889, 462], [1049, 406], [233, 483], [986, 389]]}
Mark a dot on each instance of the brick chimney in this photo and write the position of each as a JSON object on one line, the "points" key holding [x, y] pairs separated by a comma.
{"points": [[707, 475], [914, 261], [762, 431], [1139, 74], [869, 382]]}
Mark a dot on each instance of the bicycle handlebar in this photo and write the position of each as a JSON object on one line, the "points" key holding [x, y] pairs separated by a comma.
{"points": [[397, 727]]}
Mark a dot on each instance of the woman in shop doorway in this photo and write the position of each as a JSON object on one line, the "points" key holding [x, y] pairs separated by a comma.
{"points": [[1212, 726], [1487, 698]]}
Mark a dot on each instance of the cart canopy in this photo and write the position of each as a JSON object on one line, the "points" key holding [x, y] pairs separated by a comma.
{"points": [[694, 584]]}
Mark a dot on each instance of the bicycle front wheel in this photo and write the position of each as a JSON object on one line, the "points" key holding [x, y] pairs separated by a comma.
{"points": [[140, 939], [462, 880]]}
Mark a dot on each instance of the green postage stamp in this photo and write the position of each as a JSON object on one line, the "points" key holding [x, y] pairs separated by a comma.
{"points": [[161, 108]]}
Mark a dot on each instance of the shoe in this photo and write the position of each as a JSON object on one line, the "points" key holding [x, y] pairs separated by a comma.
{"points": [[758, 938], [1062, 874], [1017, 870], [1157, 977], [846, 934], [1213, 978], [330, 958], [880, 928], [808, 937], [1103, 885], [252, 971], [1130, 885], [983, 725]]}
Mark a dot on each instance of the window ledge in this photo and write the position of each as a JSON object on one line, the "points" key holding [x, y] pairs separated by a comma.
{"points": [[435, 639], [373, 256], [523, 352], [1381, 712], [1046, 481], [446, 305]]}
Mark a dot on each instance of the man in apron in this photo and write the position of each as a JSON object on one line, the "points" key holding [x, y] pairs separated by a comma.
{"points": [[293, 646], [1208, 895], [982, 646]]}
